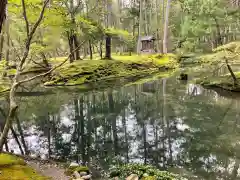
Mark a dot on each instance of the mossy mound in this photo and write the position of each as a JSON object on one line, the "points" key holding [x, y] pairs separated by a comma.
{"points": [[224, 82], [14, 168], [69, 171], [144, 172], [89, 71], [230, 51]]}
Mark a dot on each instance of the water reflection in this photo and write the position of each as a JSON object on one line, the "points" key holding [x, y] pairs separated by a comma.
{"points": [[175, 126]]}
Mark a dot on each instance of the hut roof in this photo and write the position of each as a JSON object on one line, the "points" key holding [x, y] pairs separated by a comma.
{"points": [[147, 38]]}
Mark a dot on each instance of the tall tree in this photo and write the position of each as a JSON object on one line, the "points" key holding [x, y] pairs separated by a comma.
{"points": [[166, 21], [3, 5]]}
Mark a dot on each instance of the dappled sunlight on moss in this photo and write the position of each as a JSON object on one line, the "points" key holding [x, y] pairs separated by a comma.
{"points": [[86, 71]]}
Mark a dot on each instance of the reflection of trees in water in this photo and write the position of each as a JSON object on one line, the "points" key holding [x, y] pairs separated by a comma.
{"points": [[160, 123]]}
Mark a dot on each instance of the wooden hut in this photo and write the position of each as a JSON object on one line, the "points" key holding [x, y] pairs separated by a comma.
{"points": [[147, 44]]}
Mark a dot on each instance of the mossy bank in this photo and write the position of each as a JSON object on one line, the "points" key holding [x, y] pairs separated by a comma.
{"points": [[13, 167], [221, 56], [91, 71]]}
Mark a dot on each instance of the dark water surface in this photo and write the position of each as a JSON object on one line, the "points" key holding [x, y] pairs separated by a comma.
{"points": [[174, 125]]}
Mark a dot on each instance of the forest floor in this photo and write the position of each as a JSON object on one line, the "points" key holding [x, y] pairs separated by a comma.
{"points": [[18, 167]]}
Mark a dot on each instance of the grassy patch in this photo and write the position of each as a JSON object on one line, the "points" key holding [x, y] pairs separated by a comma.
{"points": [[89, 71], [14, 168]]}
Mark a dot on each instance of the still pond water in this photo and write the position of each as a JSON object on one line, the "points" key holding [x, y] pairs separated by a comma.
{"points": [[170, 124]]}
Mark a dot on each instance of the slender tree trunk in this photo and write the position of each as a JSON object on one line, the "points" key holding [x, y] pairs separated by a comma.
{"points": [[3, 4], [12, 112], [219, 37], [90, 49], [21, 135], [139, 28], [235, 81], [165, 35], [17, 141], [6, 146], [101, 49], [70, 43], [108, 47], [1, 45], [76, 46], [145, 18], [7, 40]]}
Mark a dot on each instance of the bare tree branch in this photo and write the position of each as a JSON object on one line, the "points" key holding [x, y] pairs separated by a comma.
{"points": [[29, 39], [52, 69], [25, 17]]}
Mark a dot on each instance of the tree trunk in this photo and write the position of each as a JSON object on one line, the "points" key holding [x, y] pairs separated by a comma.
{"points": [[11, 115], [90, 50], [235, 81], [100, 49], [139, 28], [219, 40], [165, 35], [21, 135], [76, 47], [108, 47], [7, 41], [1, 45], [17, 141], [3, 4], [70, 43]]}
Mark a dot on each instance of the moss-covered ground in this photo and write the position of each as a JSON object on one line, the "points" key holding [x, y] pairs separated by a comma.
{"points": [[14, 168], [83, 72], [90, 71], [231, 52]]}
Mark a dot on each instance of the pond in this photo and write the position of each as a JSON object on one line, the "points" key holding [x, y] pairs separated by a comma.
{"points": [[174, 125]]}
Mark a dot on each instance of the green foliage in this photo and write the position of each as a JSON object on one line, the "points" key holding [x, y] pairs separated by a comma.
{"points": [[142, 171], [79, 169]]}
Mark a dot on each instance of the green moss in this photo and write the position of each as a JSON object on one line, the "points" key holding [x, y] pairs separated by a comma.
{"points": [[225, 82], [88, 71], [8, 160], [12, 167], [149, 178], [79, 169], [142, 170]]}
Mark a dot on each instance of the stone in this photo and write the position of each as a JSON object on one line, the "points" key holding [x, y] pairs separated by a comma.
{"points": [[76, 174], [86, 177], [132, 177], [73, 164], [83, 173]]}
